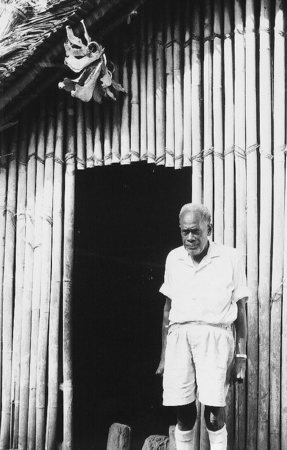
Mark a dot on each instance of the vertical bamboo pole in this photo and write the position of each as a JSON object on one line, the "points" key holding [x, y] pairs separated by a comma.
{"points": [[252, 224], [135, 107], [279, 118], [125, 122], [69, 215], [229, 173], [196, 105], [208, 145], [143, 90], [197, 426], [107, 135], [8, 292], [177, 90], [98, 147], [265, 223], [56, 284], [284, 320], [230, 409], [218, 123], [89, 135], [47, 213], [32, 292], [192, 124], [207, 88], [19, 278], [229, 230], [150, 89], [169, 111], [187, 89], [284, 340], [27, 290], [160, 90], [81, 142], [239, 132], [228, 128], [116, 157], [240, 179], [3, 197]]}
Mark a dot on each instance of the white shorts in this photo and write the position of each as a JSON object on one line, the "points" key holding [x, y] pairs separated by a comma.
{"points": [[198, 362]]}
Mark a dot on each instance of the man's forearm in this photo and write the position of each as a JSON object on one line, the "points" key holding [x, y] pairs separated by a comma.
{"points": [[164, 330], [165, 322], [241, 328], [163, 339]]}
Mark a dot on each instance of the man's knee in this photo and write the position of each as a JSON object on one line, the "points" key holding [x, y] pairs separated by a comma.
{"points": [[186, 416], [214, 417]]}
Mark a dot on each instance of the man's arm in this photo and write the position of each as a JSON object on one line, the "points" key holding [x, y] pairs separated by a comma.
{"points": [[241, 338], [165, 321]]}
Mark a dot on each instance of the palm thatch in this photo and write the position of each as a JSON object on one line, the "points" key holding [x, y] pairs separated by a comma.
{"points": [[35, 42], [25, 29]]}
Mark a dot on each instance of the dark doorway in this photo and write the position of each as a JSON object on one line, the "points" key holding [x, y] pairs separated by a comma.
{"points": [[126, 223]]}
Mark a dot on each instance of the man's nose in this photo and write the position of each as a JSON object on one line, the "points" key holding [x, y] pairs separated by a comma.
{"points": [[190, 236]]}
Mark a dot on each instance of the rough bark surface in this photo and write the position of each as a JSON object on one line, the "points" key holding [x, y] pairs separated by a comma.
{"points": [[119, 437], [156, 442]]}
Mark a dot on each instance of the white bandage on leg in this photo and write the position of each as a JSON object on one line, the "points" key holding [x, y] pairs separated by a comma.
{"points": [[218, 439], [183, 439]]}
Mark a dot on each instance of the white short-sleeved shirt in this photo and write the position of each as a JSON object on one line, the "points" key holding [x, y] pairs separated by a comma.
{"points": [[205, 292]]}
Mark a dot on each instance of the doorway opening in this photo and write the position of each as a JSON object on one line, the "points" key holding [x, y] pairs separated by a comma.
{"points": [[126, 223]]}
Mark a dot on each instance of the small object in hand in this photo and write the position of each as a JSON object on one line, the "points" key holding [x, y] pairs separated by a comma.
{"points": [[240, 377]]}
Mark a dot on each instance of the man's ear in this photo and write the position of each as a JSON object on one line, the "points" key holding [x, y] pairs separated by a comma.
{"points": [[209, 229]]}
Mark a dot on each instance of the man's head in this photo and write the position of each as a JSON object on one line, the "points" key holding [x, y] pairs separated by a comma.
{"points": [[195, 226]]}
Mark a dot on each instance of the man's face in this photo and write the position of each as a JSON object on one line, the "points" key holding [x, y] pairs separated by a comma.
{"points": [[194, 233]]}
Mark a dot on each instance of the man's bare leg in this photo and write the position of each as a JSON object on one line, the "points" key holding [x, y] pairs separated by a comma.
{"points": [[186, 418], [215, 423]]}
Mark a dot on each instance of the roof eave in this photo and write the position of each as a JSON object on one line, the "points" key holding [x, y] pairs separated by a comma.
{"points": [[51, 55]]}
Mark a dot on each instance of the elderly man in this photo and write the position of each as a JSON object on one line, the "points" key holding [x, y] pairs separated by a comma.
{"points": [[205, 290]]}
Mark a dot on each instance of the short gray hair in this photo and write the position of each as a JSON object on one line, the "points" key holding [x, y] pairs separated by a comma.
{"points": [[196, 207]]}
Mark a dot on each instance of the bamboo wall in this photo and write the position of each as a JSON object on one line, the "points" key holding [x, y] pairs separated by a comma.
{"points": [[37, 203], [206, 89]]}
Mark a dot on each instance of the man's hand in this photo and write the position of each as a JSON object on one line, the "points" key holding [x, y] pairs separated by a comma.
{"points": [[160, 369], [239, 369]]}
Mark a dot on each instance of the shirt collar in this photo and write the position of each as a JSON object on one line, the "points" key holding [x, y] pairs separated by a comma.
{"points": [[213, 252]]}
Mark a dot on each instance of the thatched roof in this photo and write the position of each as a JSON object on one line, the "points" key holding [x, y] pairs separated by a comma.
{"points": [[36, 45], [25, 38]]}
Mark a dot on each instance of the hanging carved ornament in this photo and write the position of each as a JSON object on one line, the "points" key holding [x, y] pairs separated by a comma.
{"points": [[88, 59]]}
